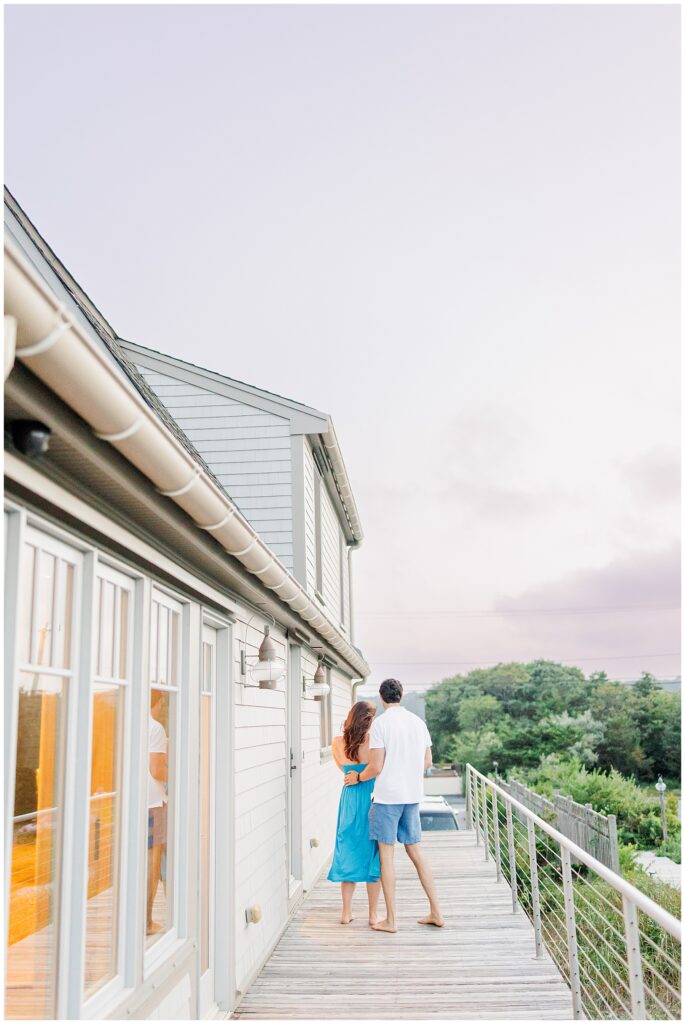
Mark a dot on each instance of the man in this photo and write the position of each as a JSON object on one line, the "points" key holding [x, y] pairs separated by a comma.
{"points": [[400, 753]]}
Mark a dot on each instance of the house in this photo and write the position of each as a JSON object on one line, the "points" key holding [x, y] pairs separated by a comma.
{"points": [[176, 660]]}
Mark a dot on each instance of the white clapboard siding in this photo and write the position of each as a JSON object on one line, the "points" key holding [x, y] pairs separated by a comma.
{"points": [[260, 803], [247, 449]]}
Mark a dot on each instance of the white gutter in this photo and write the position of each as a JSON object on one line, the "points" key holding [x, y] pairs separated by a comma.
{"points": [[58, 351], [342, 482]]}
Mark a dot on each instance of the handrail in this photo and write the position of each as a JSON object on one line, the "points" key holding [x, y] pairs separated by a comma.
{"points": [[662, 917], [544, 870]]}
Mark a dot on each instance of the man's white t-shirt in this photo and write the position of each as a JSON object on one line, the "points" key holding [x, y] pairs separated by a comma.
{"points": [[404, 737], [156, 792]]}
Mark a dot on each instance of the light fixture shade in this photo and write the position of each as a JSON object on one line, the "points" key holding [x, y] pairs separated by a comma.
{"points": [[320, 675], [269, 668]]}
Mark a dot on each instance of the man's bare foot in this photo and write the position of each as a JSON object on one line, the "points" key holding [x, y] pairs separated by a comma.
{"points": [[344, 919], [373, 921], [384, 926], [436, 920]]}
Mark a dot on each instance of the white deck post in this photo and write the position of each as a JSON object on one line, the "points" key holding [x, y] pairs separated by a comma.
{"points": [[486, 834], [512, 856], [495, 825], [535, 888], [476, 809], [637, 990], [469, 807], [571, 938]]}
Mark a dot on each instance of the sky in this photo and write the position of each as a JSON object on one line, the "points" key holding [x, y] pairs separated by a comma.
{"points": [[453, 228]]}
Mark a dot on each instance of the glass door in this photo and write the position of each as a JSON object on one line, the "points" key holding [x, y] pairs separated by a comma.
{"points": [[47, 642], [207, 816]]}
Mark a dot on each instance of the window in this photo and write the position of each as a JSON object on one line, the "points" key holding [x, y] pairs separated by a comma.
{"points": [[165, 678], [48, 579], [110, 686], [326, 705]]}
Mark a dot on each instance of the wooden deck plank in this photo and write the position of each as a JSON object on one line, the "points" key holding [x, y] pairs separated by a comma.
{"points": [[480, 965]]}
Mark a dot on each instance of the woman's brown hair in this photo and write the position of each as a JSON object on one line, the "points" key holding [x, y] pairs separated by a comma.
{"points": [[357, 725]]}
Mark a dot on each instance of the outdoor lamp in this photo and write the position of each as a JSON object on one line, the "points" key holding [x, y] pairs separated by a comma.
{"points": [[660, 786], [269, 668], [319, 688]]}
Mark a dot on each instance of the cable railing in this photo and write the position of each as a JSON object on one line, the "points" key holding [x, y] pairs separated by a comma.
{"points": [[619, 951]]}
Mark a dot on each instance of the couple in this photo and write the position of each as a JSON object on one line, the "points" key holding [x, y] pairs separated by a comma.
{"points": [[384, 759]]}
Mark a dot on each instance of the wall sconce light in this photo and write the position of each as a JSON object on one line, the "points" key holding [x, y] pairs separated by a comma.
{"points": [[253, 914], [318, 688], [269, 669]]}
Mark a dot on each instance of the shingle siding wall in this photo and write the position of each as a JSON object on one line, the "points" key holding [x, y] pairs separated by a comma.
{"points": [[247, 449]]}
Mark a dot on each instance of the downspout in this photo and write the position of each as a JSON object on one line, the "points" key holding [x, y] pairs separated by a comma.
{"points": [[58, 351]]}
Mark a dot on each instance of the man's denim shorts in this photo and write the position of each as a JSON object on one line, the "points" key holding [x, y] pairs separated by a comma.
{"points": [[395, 823]]}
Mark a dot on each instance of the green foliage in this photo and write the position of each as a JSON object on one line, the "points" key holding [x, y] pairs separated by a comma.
{"points": [[637, 810], [518, 714], [672, 847]]}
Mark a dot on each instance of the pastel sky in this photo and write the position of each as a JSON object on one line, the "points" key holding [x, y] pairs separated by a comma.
{"points": [[456, 229]]}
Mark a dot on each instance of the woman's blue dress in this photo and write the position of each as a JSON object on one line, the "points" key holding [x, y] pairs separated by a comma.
{"points": [[356, 856]]}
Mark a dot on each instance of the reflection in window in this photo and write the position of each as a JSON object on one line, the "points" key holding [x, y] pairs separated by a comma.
{"points": [[45, 617], [108, 694], [165, 674]]}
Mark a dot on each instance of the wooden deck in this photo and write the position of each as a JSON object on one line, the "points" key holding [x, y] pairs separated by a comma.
{"points": [[480, 965]]}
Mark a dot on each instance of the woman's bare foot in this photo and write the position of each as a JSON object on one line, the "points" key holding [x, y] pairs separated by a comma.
{"points": [[346, 918], [373, 921], [384, 926], [153, 928], [434, 919]]}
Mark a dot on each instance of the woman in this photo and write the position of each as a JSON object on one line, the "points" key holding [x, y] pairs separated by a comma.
{"points": [[356, 856]]}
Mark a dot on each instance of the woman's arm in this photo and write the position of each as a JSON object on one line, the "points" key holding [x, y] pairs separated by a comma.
{"points": [[335, 750]]}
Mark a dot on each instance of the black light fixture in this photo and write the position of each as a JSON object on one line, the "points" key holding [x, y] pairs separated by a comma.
{"points": [[30, 437]]}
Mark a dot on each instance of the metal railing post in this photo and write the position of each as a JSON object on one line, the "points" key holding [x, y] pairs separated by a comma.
{"points": [[495, 825], [476, 807], [512, 856], [571, 938], [535, 888], [486, 834], [637, 989]]}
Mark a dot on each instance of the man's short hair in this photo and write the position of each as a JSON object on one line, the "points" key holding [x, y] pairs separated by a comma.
{"points": [[391, 691]]}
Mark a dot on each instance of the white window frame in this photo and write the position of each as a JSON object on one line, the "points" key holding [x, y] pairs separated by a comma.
{"points": [[96, 1004], [164, 947]]}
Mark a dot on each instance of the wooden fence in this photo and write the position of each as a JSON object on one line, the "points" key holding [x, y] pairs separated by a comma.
{"points": [[595, 833]]}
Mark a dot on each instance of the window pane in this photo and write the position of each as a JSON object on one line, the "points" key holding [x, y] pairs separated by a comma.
{"points": [[31, 955], [103, 839], [66, 609], [45, 599], [163, 645], [26, 596], [161, 809], [123, 634], [105, 667]]}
